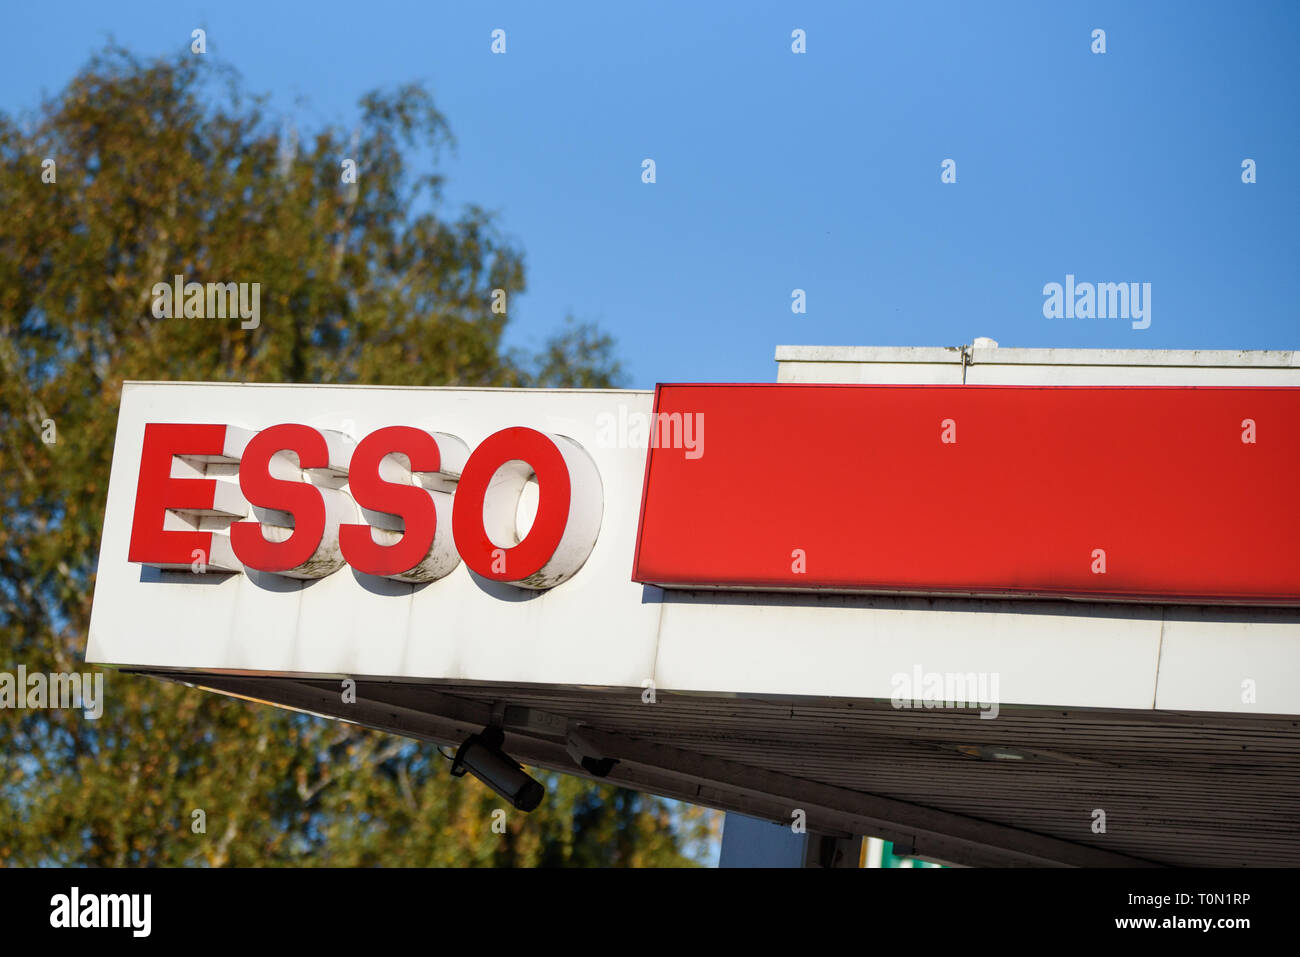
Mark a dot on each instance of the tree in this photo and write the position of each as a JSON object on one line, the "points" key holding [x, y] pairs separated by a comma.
{"points": [[168, 168]]}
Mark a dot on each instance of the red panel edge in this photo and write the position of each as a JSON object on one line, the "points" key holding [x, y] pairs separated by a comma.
{"points": [[645, 491]]}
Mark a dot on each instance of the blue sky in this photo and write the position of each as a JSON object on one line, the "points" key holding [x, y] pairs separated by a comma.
{"points": [[818, 171]]}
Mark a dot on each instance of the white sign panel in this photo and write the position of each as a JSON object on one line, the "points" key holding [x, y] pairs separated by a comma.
{"points": [[420, 533]]}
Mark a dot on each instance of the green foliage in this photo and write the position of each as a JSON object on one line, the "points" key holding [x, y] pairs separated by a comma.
{"points": [[581, 357], [165, 168]]}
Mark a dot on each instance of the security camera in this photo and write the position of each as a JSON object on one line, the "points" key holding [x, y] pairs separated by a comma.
{"points": [[481, 756], [587, 755]]}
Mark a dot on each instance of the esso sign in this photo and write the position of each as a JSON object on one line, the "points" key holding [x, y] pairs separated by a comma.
{"points": [[524, 507]]}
